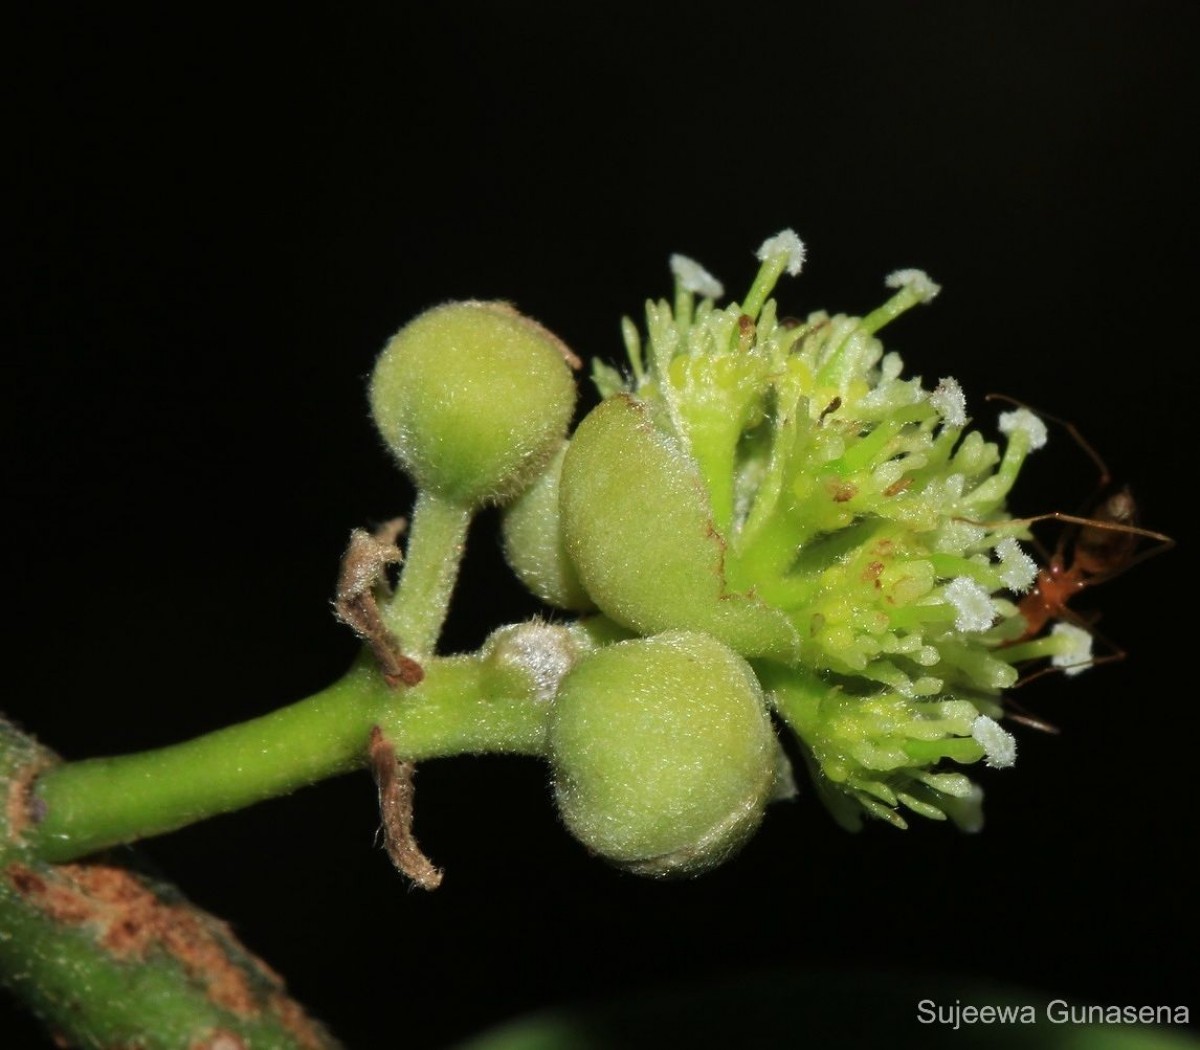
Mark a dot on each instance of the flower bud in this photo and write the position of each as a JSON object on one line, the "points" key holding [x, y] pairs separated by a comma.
{"points": [[473, 398], [663, 752], [638, 527], [533, 542]]}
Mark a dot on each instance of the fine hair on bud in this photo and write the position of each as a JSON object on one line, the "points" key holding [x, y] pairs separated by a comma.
{"points": [[663, 753], [533, 542], [473, 399]]}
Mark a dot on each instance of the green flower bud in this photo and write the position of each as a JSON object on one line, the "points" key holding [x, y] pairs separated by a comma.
{"points": [[664, 756], [638, 527], [533, 542], [473, 398]]}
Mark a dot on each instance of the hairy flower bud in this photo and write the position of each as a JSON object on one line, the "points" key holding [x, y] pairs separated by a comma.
{"points": [[638, 527], [473, 398], [663, 753], [533, 542]]}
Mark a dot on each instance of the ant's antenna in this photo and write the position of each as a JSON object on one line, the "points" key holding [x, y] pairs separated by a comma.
{"points": [[1070, 428]]}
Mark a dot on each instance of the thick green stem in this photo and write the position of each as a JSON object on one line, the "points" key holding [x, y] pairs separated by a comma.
{"points": [[462, 705], [437, 538], [107, 957]]}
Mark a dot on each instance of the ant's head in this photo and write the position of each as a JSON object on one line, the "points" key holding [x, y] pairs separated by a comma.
{"points": [[1118, 508]]}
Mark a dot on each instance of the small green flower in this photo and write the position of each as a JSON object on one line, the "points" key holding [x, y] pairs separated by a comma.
{"points": [[781, 486]]}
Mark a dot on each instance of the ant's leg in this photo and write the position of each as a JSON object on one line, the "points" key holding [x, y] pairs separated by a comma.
{"points": [[1025, 718], [1073, 431], [1162, 542], [1113, 655]]}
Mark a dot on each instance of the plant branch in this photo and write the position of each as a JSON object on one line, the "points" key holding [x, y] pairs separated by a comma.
{"points": [[462, 705], [108, 957]]}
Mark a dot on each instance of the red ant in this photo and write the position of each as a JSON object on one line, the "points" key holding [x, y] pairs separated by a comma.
{"points": [[1091, 550], [1103, 547]]}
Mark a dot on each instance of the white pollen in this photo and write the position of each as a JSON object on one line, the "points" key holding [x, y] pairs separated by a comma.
{"points": [[1017, 569], [1021, 419], [972, 603], [950, 402], [783, 243], [1078, 654], [999, 745], [693, 277], [916, 280]]}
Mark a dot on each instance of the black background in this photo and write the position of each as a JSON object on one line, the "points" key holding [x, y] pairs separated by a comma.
{"points": [[219, 219]]}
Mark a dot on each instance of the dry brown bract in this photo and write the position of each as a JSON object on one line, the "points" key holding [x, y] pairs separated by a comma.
{"points": [[364, 569], [394, 779]]}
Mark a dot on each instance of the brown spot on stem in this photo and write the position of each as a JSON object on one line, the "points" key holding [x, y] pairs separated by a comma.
{"points": [[363, 572], [871, 573], [302, 1028], [394, 780], [896, 487], [130, 921], [219, 1039], [20, 809], [57, 898]]}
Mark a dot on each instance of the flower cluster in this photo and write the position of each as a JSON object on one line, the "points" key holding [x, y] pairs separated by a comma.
{"points": [[780, 485]]}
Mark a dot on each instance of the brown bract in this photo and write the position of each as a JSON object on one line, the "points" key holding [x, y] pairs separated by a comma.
{"points": [[394, 779], [19, 812], [363, 571]]}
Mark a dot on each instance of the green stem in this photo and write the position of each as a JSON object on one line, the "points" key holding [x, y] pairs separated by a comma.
{"points": [[903, 300], [437, 539], [685, 301], [1036, 649], [462, 705], [764, 282], [107, 957]]}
